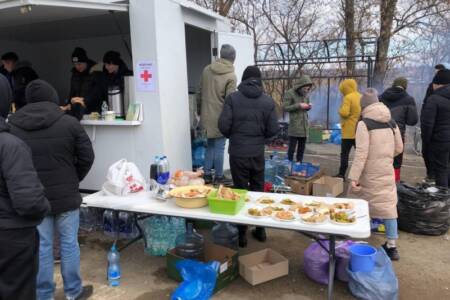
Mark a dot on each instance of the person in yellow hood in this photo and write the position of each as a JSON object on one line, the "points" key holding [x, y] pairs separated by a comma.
{"points": [[350, 112]]}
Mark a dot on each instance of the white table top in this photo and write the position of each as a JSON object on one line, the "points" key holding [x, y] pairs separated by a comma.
{"points": [[144, 203]]}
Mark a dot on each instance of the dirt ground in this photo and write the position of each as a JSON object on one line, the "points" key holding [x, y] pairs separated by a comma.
{"points": [[423, 270]]}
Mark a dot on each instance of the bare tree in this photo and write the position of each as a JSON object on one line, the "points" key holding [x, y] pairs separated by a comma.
{"points": [[222, 7], [348, 6]]}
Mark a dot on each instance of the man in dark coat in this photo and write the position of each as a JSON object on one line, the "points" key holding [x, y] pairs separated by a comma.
{"points": [[435, 124], [22, 74], [9, 60], [248, 119], [62, 155], [22, 207], [403, 110]]}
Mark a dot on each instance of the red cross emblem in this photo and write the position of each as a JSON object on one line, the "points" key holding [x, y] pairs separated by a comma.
{"points": [[146, 76]]}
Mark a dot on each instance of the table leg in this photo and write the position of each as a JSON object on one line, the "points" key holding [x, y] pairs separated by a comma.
{"points": [[332, 266]]}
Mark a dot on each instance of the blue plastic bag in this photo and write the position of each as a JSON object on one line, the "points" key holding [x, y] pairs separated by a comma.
{"points": [[380, 284], [336, 134], [199, 280]]}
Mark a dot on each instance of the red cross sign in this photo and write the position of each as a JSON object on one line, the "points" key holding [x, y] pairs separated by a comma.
{"points": [[146, 76]]}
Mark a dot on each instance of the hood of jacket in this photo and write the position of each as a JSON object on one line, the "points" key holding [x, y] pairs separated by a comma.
{"points": [[36, 116], [222, 66], [348, 86], [302, 81], [443, 91], [378, 112], [394, 94], [251, 88], [5, 96]]}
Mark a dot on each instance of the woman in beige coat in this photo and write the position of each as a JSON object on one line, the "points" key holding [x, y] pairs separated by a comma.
{"points": [[378, 141]]}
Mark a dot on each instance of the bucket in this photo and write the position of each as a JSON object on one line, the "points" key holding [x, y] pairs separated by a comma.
{"points": [[362, 258]]}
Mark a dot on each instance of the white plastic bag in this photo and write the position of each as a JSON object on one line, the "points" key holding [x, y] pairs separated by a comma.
{"points": [[123, 178]]}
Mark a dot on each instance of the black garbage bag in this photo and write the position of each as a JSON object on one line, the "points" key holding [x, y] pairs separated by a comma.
{"points": [[421, 211]]}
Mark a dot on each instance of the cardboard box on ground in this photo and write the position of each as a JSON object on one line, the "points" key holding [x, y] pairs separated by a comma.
{"points": [[302, 185], [328, 186], [263, 266]]}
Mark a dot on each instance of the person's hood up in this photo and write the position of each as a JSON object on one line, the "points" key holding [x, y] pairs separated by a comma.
{"points": [[22, 64], [443, 91], [378, 112], [393, 94], [251, 88], [304, 80], [40, 91], [90, 64], [5, 96], [348, 86], [36, 116], [222, 66]]}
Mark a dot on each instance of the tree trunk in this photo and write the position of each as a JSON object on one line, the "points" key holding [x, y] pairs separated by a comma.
{"points": [[349, 20], [387, 11], [225, 7]]}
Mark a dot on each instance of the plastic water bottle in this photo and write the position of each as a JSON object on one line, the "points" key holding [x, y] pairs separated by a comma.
{"points": [[269, 172], [104, 109], [154, 169], [87, 219], [109, 224], [163, 170], [113, 266], [126, 224]]}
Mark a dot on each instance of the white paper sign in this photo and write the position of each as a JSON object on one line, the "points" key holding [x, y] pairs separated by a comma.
{"points": [[145, 76]]}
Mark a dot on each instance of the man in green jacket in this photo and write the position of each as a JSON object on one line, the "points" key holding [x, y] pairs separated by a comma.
{"points": [[217, 82], [296, 103]]}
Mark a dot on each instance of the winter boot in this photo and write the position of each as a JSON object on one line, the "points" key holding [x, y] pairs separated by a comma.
{"points": [[259, 233], [392, 252]]}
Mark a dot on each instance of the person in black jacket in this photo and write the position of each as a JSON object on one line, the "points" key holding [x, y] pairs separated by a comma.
{"points": [[248, 119], [22, 207], [9, 60], [22, 74], [403, 110], [62, 155], [435, 125]]}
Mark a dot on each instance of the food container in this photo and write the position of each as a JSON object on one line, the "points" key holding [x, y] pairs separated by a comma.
{"points": [[110, 115], [189, 202], [226, 207]]}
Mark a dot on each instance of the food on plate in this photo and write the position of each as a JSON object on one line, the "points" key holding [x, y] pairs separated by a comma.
{"points": [[304, 209], [313, 217], [343, 217], [187, 178], [247, 198], [266, 200], [225, 193], [343, 205], [314, 204], [198, 192], [288, 202], [254, 212], [285, 215]]}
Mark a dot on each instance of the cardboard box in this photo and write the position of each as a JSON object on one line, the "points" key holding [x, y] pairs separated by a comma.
{"points": [[327, 185], [263, 266], [302, 185], [228, 258]]}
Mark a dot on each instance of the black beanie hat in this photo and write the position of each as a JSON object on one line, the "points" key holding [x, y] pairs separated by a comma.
{"points": [[442, 77], [112, 57], [40, 91], [79, 55], [251, 72]]}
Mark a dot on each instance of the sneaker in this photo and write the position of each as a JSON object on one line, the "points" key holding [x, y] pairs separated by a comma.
{"points": [[391, 252], [259, 234], [87, 292]]}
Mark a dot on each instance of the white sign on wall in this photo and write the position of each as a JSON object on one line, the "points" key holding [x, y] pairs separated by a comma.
{"points": [[145, 76]]}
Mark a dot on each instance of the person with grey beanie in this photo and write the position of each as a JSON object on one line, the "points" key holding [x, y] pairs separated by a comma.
{"points": [[217, 82]]}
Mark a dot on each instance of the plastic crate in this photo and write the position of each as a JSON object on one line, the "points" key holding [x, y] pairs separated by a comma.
{"points": [[305, 170], [226, 207]]}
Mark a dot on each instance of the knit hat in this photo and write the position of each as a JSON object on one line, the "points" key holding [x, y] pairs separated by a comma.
{"points": [[401, 82], [5, 96], [112, 57], [10, 56], [40, 91], [79, 55], [251, 72], [369, 97], [442, 77], [228, 52]]}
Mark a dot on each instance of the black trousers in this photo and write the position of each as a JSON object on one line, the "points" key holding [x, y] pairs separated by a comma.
{"points": [[19, 262], [427, 159], [248, 174], [293, 143], [398, 160], [346, 147], [441, 158]]}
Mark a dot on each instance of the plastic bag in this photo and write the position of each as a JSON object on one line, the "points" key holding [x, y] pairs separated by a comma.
{"points": [[380, 284], [422, 211], [336, 134], [123, 178], [199, 280], [316, 261]]}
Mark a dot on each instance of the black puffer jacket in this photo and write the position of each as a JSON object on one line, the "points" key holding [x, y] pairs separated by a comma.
{"points": [[402, 106], [21, 76], [62, 151], [248, 119], [435, 118], [22, 200]]}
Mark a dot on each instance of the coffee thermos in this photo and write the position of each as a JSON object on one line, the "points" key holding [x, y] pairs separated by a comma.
{"points": [[116, 101]]}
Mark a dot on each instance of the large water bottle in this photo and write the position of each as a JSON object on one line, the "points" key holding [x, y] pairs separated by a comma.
{"points": [[269, 171], [226, 234], [110, 224], [190, 245], [154, 169], [126, 225], [113, 271], [163, 170], [87, 219]]}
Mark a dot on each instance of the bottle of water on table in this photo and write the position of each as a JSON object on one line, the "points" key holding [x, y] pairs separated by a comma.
{"points": [[163, 170], [113, 266]]}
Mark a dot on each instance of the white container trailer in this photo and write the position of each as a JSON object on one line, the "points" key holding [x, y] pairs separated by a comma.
{"points": [[177, 37]]}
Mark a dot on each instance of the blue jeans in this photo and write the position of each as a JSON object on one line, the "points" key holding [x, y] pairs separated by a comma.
{"points": [[391, 229], [66, 224], [214, 157]]}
